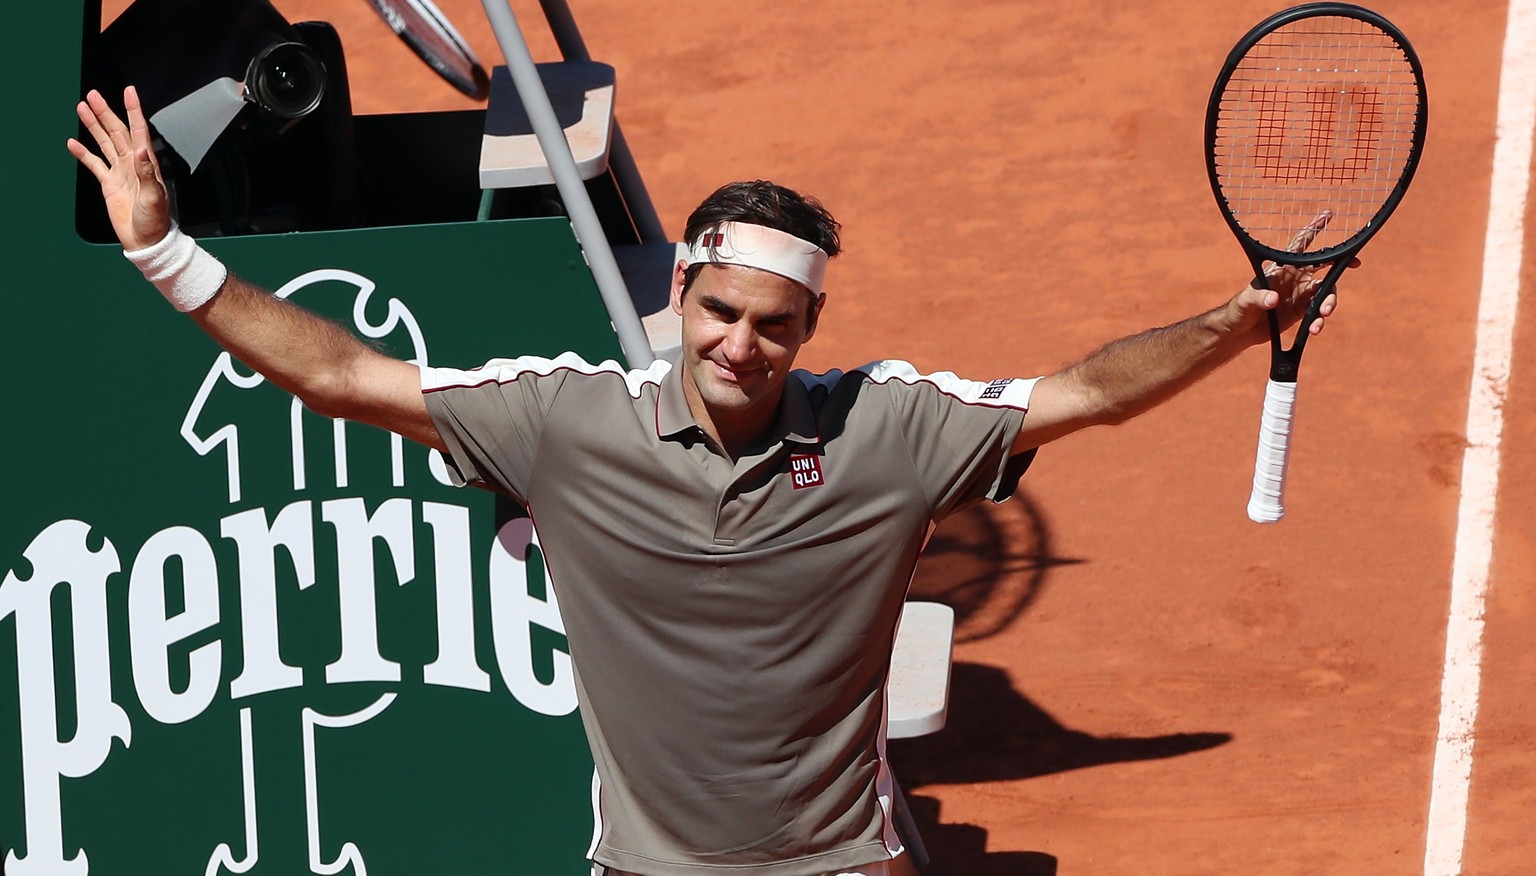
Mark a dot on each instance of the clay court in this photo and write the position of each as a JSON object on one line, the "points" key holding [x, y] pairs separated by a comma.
{"points": [[1145, 681]]}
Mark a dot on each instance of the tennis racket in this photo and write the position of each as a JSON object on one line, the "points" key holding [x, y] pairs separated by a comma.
{"points": [[432, 37], [1312, 134]]}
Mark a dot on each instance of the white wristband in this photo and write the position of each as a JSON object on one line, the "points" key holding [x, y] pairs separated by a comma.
{"points": [[185, 273]]}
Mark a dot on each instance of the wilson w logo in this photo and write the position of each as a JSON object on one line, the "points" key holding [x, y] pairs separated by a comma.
{"points": [[1326, 134]]}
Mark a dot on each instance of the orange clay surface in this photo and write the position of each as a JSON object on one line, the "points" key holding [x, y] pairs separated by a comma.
{"points": [[1145, 682]]}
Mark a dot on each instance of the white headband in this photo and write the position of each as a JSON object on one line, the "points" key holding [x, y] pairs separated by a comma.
{"points": [[767, 249]]}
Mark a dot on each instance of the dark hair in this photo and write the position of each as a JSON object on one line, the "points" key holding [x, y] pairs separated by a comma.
{"points": [[760, 202]]}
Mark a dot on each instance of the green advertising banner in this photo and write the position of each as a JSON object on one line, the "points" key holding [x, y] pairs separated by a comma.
{"points": [[237, 637]]}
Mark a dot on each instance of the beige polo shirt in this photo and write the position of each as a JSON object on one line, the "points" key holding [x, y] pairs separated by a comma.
{"points": [[730, 622]]}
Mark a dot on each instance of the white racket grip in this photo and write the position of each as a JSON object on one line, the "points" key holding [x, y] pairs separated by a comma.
{"points": [[1265, 503]]}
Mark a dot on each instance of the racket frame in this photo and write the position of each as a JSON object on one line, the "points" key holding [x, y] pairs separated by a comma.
{"points": [[1260, 252], [461, 69], [1266, 501]]}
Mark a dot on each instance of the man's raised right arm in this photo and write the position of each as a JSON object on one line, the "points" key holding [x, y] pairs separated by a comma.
{"points": [[333, 372]]}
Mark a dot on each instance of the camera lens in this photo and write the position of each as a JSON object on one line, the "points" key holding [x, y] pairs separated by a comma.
{"points": [[286, 79]]}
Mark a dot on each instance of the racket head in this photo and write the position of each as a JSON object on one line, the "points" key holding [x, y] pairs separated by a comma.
{"points": [[1320, 107], [423, 27]]}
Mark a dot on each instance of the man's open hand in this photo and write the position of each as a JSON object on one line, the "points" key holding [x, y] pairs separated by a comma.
{"points": [[1289, 290], [137, 203]]}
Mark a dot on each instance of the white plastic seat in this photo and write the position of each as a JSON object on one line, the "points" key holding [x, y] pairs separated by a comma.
{"points": [[918, 694], [581, 93]]}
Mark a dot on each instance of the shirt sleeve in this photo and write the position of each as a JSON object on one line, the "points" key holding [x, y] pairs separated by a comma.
{"points": [[959, 432], [492, 417]]}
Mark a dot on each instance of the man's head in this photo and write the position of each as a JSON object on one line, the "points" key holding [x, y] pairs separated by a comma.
{"points": [[749, 295], [769, 205]]}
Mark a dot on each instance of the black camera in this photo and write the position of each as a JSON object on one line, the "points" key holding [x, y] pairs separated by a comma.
{"points": [[286, 80], [252, 114]]}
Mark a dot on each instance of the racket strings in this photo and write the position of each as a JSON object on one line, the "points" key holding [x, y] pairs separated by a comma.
{"points": [[1320, 114]]}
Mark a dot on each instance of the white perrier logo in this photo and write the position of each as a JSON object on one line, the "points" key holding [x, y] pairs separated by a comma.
{"points": [[312, 682]]}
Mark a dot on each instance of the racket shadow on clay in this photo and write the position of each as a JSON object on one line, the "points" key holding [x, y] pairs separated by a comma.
{"points": [[997, 734], [989, 563]]}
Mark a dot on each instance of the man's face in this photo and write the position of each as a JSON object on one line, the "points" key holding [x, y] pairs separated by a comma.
{"points": [[742, 329]]}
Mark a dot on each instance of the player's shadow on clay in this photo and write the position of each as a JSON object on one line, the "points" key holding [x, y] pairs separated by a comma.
{"points": [[990, 563]]}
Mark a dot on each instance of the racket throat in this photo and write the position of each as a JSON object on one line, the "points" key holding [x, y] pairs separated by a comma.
{"points": [[1283, 363]]}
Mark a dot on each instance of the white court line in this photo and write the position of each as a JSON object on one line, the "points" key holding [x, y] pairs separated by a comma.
{"points": [[1502, 256]]}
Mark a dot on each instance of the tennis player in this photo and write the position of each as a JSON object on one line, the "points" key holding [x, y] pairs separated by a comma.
{"points": [[732, 538]]}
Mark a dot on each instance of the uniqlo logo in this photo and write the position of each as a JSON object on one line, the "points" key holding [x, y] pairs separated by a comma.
{"points": [[715, 240], [996, 387], [805, 471]]}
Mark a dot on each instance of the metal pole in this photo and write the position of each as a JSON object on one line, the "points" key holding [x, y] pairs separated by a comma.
{"points": [[627, 175], [584, 221], [563, 25], [625, 172]]}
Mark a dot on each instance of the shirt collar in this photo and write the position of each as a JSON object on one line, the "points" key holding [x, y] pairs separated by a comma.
{"points": [[796, 422]]}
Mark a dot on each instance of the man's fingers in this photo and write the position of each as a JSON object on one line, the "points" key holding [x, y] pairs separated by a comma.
{"points": [[95, 165], [1308, 232], [117, 143], [1324, 311], [110, 123], [1302, 240], [144, 165], [99, 120], [138, 128], [93, 127], [1265, 299]]}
